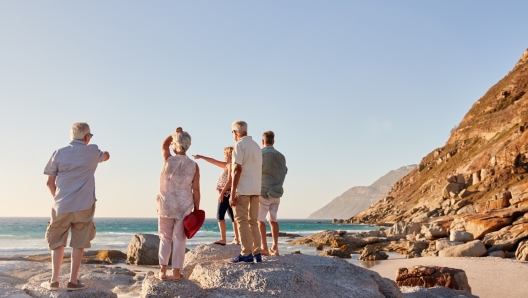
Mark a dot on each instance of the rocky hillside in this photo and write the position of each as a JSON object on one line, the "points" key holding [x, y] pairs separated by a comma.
{"points": [[359, 198], [482, 166]]}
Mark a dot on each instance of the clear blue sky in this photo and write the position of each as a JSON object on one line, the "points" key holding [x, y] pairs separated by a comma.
{"points": [[352, 89]]}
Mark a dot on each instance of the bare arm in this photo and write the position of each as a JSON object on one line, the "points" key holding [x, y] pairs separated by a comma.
{"points": [[227, 186], [236, 178], [218, 163], [51, 184], [196, 188], [165, 150], [106, 156]]}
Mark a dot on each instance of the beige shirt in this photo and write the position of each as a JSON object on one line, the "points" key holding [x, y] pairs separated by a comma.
{"points": [[248, 154]]}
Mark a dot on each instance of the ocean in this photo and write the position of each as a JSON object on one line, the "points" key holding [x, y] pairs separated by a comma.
{"points": [[25, 236]]}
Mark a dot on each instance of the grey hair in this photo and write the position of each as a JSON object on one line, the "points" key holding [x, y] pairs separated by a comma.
{"points": [[240, 127], [79, 130], [181, 141]]}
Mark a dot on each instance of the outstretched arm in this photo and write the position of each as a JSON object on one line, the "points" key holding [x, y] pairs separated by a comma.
{"points": [[218, 163]]}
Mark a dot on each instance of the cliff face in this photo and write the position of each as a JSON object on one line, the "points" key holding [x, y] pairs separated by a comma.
{"points": [[359, 198], [486, 154]]}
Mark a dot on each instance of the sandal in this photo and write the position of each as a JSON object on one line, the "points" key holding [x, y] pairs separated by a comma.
{"points": [[274, 253], [161, 276], [219, 242]]}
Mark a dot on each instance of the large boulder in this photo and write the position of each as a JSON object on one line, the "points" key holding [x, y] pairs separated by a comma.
{"points": [[490, 221], [473, 248], [434, 232], [291, 275], [521, 253], [506, 238], [433, 276], [143, 250]]}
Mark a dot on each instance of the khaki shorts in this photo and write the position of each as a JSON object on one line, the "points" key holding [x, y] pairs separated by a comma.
{"points": [[268, 209], [81, 224]]}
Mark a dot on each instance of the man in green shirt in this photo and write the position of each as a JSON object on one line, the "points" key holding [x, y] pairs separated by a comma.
{"points": [[273, 173]]}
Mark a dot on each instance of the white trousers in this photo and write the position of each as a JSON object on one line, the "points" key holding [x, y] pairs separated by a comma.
{"points": [[171, 231]]}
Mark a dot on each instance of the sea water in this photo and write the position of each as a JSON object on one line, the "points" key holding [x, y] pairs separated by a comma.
{"points": [[25, 236]]}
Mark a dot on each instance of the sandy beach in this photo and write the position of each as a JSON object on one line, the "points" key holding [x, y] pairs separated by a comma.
{"points": [[488, 277]]}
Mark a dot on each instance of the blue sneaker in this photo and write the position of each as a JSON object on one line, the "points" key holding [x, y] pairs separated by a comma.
{"points": [[258, 258], [241, 258]]}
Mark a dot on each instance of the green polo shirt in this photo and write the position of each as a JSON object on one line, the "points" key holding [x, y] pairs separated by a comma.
{"points": [[273, 173]]}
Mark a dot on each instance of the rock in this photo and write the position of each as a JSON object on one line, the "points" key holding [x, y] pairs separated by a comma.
{"points": [[369, 254], [460, 236], [284, 276], [521, 220], [435, 232], [111, 256], [469, 209], [336, 253], [473, 248], [288, 235], [433, 276], [521, 253], [483, 223], [444, 243], [93, 289], [143, 250], [404, 228], [506, 238], [316, 239], [438, 292]]}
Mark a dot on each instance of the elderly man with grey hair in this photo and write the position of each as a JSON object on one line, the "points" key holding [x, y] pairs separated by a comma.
{"points": [[245, 192], [71, 182]]}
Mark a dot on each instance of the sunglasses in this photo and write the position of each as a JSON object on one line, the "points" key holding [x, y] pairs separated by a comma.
{"points": [[91, 135]]}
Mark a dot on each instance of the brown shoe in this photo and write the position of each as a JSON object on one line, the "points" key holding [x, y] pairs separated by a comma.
{"points": [[76, 287], [51, 286]]}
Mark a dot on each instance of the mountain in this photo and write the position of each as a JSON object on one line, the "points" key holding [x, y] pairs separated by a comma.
{"points": [[485, 158], [358, 198]]}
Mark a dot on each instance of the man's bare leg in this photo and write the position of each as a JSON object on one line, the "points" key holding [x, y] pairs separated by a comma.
{"points": [[237, 239], [275, 235], [264, 242], [56, 261], [77, 255]]}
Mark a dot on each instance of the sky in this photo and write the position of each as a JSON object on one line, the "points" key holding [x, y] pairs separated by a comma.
{"points": [[352, 89]]}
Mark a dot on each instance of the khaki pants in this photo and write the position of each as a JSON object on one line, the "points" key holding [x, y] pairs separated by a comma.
{"points": [[246, 215]]}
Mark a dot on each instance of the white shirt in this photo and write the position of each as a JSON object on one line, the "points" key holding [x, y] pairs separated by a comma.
{"points": [[248, 154]]}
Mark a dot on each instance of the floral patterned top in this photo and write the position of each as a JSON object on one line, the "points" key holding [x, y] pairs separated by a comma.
{"points": [[175, 198], [222, 181]]}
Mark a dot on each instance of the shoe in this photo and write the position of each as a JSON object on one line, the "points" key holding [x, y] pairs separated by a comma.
{"points": [[51, 286], [76, 287], [242, 259], [258, 258]]}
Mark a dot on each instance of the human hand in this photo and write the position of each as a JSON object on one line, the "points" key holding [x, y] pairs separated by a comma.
{"points": [[232, 202], [197, 156], [179, 129], [220, 199]]}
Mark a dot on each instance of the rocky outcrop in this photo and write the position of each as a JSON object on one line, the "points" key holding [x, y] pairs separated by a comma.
{"points": [[22, 278], [285, 276], [521, 253], [471, 249], [507, 238], [143, 250], [433, 276], [478, 178]]}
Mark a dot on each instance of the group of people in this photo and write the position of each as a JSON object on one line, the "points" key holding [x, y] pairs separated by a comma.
{"points": [[249, 187]]}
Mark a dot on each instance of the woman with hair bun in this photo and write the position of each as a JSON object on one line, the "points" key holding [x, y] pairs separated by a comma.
{"points": [[179, 194]]}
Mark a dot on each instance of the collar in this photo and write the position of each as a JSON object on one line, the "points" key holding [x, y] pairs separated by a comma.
{"points": [[79, 142]]}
